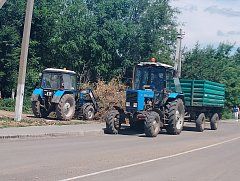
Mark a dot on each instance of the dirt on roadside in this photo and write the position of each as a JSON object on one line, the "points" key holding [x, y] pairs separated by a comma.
{"points": [[7, 120]]}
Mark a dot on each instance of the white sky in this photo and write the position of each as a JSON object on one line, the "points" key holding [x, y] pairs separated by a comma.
{"points": [[209, 21]]}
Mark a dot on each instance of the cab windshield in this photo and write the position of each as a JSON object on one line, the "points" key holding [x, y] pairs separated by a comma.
{"points": [[149, 76], [53, 80]]}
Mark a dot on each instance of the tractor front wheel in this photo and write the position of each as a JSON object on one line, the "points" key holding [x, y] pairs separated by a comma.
{"points": [[38, 110], [88, 111], [152, 124], [66, 107], [113, 122]]}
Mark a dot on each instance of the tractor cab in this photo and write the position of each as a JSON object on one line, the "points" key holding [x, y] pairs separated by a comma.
{"points": [[54, 79], [151, 83], [153, 76]]}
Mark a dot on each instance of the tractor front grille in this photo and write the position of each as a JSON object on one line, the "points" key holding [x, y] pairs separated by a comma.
{"points": [[131, 97], [48, 93]]}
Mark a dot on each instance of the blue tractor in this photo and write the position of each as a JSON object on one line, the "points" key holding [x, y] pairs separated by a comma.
{"points": [[58, 92], [153, 102]]}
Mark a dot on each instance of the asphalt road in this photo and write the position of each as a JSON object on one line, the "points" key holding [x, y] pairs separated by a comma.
{"points": [[211, 155]]}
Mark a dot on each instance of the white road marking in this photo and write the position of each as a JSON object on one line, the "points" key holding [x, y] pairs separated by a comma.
{"points": [[149, 161]]}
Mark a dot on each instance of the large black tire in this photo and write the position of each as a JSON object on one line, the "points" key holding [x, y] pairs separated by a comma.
{"points": [[152, 124], [200, 122], [88, 111], [175, 114], [38, 111], [112, 122], [214, 121], [66, 107]]}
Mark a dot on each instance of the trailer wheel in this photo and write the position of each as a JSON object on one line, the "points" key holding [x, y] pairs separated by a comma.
{"points": [[152, 124], [88, 111], [175, 113], [200, 122], [66, 107], [214, 121], [113, 122], [38, 111]]}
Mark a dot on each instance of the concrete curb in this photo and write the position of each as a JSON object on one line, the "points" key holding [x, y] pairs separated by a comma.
{"points": [[230, 121], [52, 131], [82, 133]]}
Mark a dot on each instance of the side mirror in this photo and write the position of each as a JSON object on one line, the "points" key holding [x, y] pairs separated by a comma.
{"points": [[129, 82], [36, 85]]}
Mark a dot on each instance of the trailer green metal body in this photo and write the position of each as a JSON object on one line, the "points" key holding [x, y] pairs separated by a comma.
{"points": [[203, 93]]}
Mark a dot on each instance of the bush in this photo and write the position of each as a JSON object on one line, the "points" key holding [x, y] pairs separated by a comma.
{"points": [[9, 105], [227, 114], [108, 95]]}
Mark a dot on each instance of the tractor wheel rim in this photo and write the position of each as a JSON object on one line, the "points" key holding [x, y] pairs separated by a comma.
{"points": [[203, 123], [179, 119], [116, 123], [155, 126], [90, 114], [66, 108]]}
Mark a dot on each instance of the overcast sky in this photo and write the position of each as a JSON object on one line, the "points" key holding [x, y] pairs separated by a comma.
{"points": [[209, 21]]}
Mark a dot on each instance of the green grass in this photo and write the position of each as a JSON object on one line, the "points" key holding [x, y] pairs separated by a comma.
{"points": [[9, 105]]}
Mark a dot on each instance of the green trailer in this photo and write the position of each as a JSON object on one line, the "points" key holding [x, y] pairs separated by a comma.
{"points": [[204, 100]]}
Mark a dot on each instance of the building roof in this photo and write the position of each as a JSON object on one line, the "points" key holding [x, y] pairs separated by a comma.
{"points": [[59, 70], [156, 64]]}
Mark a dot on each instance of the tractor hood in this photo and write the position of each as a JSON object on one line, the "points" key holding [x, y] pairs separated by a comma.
{"points": [[135, 99]]}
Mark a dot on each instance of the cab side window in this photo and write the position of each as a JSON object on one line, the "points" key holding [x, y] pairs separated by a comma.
{"points": [[169, 80]]}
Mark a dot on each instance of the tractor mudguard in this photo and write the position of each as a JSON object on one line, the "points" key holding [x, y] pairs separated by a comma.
{"points": [[57, 96], [36, 93], [173, 95]]}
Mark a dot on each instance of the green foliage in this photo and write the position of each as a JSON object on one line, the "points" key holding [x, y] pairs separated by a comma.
{"points": [[95, 38], [9, 105], [227, 114]]}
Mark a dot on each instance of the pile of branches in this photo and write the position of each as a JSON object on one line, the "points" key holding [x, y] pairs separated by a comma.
{"points": [[108, 94]]}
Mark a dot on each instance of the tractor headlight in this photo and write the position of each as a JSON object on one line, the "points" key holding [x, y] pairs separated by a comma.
{"points": [[134, 104], [48, 93], [127, 104]]}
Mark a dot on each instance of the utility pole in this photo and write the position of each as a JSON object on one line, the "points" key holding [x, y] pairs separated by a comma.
{"points": [[178, 55], [2, 3], [23, 60]]}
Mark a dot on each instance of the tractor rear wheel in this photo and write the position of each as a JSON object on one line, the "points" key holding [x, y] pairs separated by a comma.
{"points": [[38, 110], [113, 122], [175, 114], [88, 111], [214, 121], [152, 124], [200, 122], [66, 107]]}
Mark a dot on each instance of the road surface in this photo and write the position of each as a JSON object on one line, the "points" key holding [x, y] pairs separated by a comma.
{"points": [[211, 155]]}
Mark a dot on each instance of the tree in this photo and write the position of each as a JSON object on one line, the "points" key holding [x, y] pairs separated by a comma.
{"points": [[96, 38]]}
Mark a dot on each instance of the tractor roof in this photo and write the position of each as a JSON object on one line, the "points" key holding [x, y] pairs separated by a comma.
{"points": [[155, 64], [59, 71]]}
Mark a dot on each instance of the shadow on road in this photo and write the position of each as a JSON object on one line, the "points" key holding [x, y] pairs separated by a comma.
{"points": [[126, 130]]}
